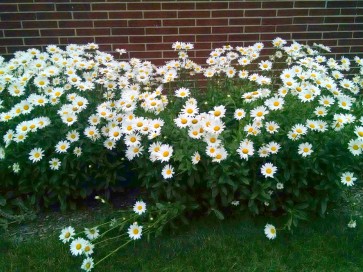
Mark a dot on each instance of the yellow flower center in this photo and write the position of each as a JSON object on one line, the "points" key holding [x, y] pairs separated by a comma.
{"points": [[165, 153], [78, 246], [268, 171]]}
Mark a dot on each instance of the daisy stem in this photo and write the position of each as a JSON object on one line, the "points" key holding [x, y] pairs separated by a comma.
{"points": [[114, 251]]}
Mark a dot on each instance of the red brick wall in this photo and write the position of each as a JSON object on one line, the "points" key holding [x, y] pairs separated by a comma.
{"points": [[148, 28]]}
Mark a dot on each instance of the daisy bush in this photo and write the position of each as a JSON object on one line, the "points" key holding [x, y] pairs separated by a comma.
{"points": [[279, 135], [283, 142], [50, 147]]}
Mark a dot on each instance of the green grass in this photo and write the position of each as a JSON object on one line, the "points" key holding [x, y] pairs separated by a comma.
{"points": [[206, 245]]}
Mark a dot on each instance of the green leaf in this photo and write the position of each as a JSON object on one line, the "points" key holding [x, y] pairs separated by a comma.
{"points": [[219, 215]]}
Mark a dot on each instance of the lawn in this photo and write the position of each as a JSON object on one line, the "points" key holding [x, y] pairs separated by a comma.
{"points": [[237, 244]]}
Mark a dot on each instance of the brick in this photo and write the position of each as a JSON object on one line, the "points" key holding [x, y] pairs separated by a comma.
{"points": [[276, 21], [143, 6], [144, 23], [11, 41], [180, 38], [17, 16], [179, 22], [350, 27], [93, 32], [57, 32], [227, 13], [337, 35], [145, 39], [194, 14], [127, 31], [278, 4], [211, 38], [341, 4], [36, 7], [77, 40], [73, 7], [260, 13], [228, 29], [10, 25], [108, 6], [322, 27], [259, 29], [211, 22], [309, 4], [161, 30], [129, 46], [195, 30], [338, 20], [8, 7], [308, 20], [21, 33], [292, 12], [3, 51], [160, 14], [351, 11], [306, 36], [243, 37], [105, 47], [178, 6], [40, 41], [146, 55], [291, 28], [202, 54], [212, 5], [90, 15], [74, 24], [113, 39], [53, 15], [40, 24], [245, 5], [321, 12], [110, 23], [350, 42], [158, 46], [245, 21], [125, 15], [358, 34], [270, 37]]}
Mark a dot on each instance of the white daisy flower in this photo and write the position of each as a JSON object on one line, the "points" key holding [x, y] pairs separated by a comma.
{"points": [[245, 149], [87, 264], [182, 92], [305, 149], [348, 178], [352, 224], [268, 170], [62, 147], [36, 154], [140, 207], [196, 157], [77, 246], [135, 231], [54, 164], [67, 234], [239, 114], [270, 231], [92, 233], [167, 172]]}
